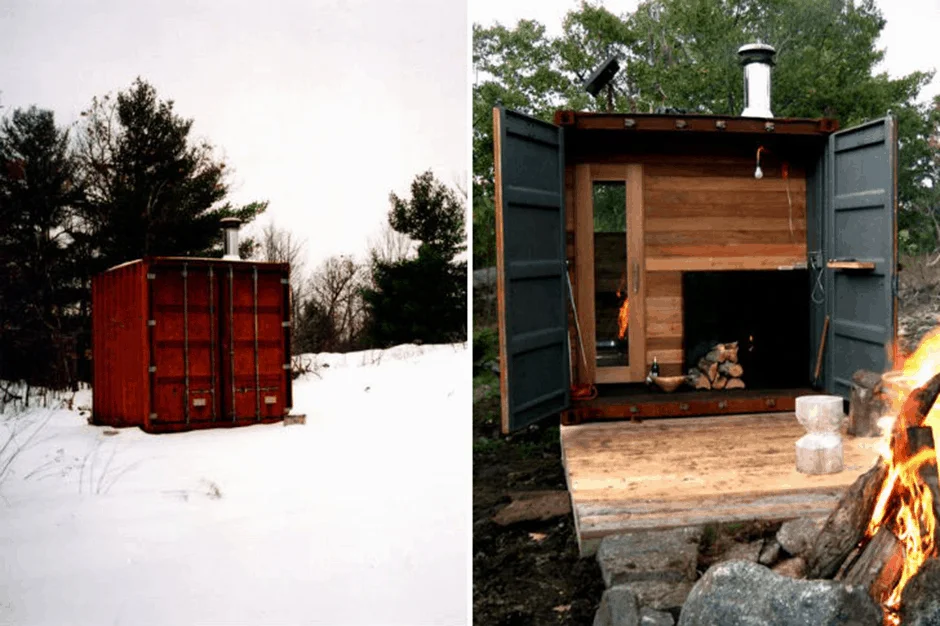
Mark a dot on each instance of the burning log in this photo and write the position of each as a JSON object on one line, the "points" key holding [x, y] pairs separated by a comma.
{"points": [[878, 567], [845, 527]]}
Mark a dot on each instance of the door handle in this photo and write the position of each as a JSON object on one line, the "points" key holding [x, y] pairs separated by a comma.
{"points": [[636, 277]]}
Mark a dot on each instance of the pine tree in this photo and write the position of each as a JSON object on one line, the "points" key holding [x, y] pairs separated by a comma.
{"points": [[152, 189], [38, 275], [422, 299]]}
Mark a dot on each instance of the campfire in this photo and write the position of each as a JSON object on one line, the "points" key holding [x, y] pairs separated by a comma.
{"points": [[885, 527]]}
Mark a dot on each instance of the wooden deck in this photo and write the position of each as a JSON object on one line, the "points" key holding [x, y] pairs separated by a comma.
{"points": [[667, 473]]}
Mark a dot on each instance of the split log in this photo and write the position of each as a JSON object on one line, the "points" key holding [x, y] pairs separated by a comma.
{"points": [[845, 527], [698, 380], [731, 369], [735, 383], [708, 368], [866, 404], [879, 565], [719, 382], [919, 438], [723, 352], [913, 413]]}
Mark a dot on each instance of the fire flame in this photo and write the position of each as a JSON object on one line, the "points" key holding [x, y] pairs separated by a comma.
{"points": [[914, 524], [623, 318]]}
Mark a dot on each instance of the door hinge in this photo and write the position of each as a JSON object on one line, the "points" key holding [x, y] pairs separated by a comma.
{"points": [[153, 416], [151, 322], [895, 285], [152, 369], [151, 276]]}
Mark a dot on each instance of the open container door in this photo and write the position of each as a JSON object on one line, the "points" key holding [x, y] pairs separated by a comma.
{"points": [[861, 227], [531, 276]]}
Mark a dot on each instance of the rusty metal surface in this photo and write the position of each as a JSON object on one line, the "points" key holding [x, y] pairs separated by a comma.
{"points": [[172, 337]]}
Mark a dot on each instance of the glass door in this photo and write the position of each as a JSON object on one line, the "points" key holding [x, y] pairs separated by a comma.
{"points": [[610, 248]]}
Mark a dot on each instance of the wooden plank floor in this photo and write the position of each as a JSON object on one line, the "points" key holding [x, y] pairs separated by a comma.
{"points": [[676, 472]]}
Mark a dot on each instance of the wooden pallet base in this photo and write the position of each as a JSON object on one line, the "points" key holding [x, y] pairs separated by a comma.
{"points": [[667, 473]]}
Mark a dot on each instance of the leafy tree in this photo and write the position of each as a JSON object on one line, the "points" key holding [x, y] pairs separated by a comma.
{"points": [[38, 191], [682, 54], [422, 299], [152, 189]]}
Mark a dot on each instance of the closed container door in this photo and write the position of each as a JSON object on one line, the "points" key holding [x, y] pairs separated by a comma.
{"points": [[184, 303], [252, 319]]}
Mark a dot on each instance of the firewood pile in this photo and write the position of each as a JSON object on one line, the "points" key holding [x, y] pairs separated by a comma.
{"points": [[718, 369], [885, 526]]}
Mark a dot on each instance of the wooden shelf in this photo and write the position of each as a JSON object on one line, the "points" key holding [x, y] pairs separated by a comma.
{"points": [[850, 265]]}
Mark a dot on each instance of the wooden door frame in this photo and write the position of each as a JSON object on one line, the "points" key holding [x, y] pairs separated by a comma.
{"points": [[631, 174]]}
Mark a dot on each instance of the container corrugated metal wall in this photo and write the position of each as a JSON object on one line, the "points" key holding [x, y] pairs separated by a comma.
{"points": [[201, 343]]}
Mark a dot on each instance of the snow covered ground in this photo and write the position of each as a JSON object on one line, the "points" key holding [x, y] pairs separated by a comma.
{"points": [[361, 516]]}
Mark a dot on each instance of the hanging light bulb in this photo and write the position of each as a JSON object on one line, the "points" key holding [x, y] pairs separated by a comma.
{"points": [[758, 173]]}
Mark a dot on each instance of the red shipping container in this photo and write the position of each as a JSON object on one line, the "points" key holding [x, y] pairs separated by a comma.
{"points": [[186, 343]]}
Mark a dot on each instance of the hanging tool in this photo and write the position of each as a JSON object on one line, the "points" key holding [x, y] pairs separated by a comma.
{"points": [[588, 391]]}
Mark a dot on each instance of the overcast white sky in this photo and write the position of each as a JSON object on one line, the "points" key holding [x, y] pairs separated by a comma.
{"points": [[321, 106], [908, 38]]}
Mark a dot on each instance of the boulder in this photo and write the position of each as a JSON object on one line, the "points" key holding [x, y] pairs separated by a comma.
{"points": [[740, 593], [743, 552], [794, 567], [649, 617], [798, 536], [920, 600], [650, 556], [618, 607], [769, 553]]}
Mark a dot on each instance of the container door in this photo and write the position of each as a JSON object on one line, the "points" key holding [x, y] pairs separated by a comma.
{"points": [[531, 277], [255, 384], [183, 303], [860, 246]]}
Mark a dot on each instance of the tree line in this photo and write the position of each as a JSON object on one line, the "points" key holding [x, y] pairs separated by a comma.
{"points": [[681, 54], [128, 180]]}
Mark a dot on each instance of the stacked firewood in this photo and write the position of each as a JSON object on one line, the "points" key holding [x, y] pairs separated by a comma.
{"points": [[844, 550], [718, 369]]}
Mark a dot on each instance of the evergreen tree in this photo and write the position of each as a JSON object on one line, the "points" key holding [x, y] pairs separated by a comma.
{"points": [[152, 190], [38, 273], [422, 299]]}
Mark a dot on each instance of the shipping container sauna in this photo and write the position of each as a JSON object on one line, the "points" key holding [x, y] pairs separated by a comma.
{"points": [[186, 343], [624, 238]]}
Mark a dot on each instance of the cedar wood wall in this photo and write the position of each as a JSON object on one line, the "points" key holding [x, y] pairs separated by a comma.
{"points": [[702, 212]]}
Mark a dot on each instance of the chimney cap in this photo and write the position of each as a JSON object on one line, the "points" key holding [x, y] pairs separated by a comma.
{"points": [[757, 53], [230, 222]]}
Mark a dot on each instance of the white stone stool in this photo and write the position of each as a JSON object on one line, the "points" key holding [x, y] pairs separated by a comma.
{"points": [[820, 450]]}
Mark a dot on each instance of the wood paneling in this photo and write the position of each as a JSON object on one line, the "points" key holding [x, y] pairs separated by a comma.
{"points": [[699, 212], [636, 272], [584, 268], [664, 320], [734, 221]]}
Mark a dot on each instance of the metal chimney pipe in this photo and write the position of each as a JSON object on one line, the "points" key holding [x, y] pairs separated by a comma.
{"points": [[230, 238], [757, 59]]}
